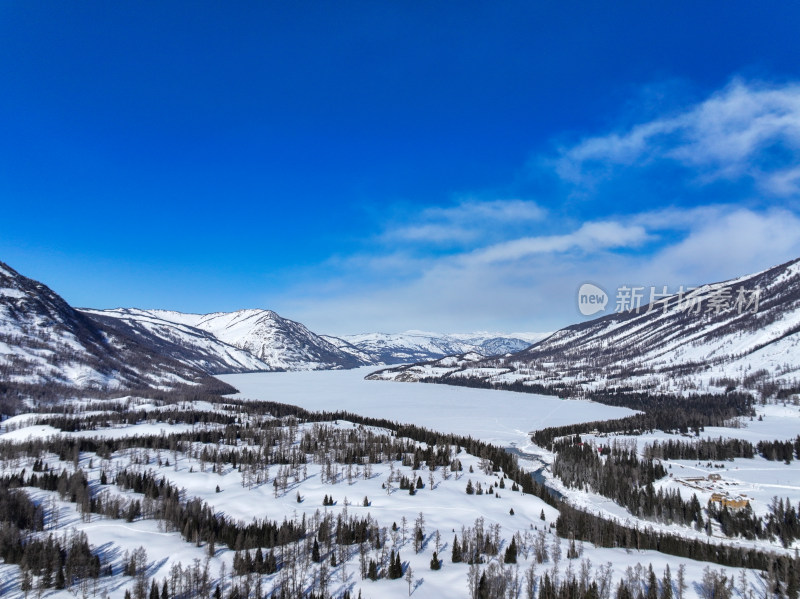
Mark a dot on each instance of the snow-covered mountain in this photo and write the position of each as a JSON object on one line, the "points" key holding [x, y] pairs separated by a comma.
{"points": [[713, 338], [190, 345], [417, 346], [43, 340], [278, 342], [46, 342], [362, 356]]}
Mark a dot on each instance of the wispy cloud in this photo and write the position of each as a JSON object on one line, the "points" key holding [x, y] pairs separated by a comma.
{"points": [[746, 130], [736, 242], [467, 221], [590, 237], [493, 210]]}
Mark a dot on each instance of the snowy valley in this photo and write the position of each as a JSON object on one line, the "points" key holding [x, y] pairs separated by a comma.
{"points": [[157, 454]]}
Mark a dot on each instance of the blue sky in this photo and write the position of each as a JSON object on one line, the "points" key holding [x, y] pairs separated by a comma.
{"points": [[383, 166]]}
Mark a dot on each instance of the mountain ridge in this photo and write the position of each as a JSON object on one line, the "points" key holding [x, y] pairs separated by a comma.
{"points": [[46, 343], [415, 346], [668, 349]]}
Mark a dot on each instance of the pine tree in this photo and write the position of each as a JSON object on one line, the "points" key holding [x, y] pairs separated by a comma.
{"points": [[456, 558], [792, 584], [60, 578], [666, 584], [470, 488], [372, 571], [315, 552], [483, 588], [395, 566], [511, 552], [652, 584], [435, 563]]}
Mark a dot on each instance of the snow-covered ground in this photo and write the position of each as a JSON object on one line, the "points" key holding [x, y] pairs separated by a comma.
{"points": [[500, 417], [445, 506], [758, 480]]}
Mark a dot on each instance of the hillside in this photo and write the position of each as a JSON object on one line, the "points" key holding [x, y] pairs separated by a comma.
{"points": [[694, 342], [44, 342], [280, 343], [182, 342], [416, 346]]}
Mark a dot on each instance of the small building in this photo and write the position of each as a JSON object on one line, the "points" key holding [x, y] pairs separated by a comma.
{"points": [[735, 503], [714, 476], [732, 503]]}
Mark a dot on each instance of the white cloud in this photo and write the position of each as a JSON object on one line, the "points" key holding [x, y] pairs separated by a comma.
{"points": [[432, 233], [736, 242], [493, 210], [745, 130], [468, 221], [784, 182], [589, 237]]}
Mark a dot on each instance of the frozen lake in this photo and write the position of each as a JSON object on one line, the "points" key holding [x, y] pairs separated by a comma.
{"points": [[500, 417]]}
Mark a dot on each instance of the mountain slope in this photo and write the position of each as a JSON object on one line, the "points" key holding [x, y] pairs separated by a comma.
{"points": [[362, 356], [280, 343], [416, 346], [187, 344], [670, 350], [44, 341]]}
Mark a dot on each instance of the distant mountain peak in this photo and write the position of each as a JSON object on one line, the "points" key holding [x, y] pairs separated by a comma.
{"points": [[280, 343], [415, 346]]}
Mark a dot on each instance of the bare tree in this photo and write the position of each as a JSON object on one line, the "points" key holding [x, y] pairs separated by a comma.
{"points": [[530, 581], [682, 586]]}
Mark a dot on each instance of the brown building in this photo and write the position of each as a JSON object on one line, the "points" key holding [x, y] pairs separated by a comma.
{"points": [[732, 503]]}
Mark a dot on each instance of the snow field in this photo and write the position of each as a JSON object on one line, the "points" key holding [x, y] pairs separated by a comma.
{"points": [[445, 506]]}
